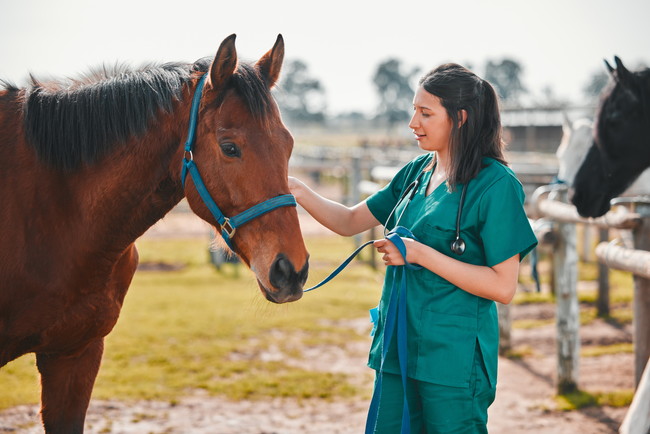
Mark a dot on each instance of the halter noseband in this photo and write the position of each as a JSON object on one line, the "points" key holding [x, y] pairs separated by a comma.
{"points": [[228, 224]]}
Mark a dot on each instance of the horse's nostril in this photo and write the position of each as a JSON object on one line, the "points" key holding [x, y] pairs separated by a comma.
{"points": [[281, 271], [284, 276]]}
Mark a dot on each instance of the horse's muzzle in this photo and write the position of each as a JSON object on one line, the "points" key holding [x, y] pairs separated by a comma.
{"points": [[286, 281]]}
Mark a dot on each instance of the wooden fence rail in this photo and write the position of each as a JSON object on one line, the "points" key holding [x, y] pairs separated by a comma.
{"points": [[636, 261]]}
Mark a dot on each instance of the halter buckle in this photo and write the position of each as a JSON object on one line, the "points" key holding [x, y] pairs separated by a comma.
{"points": [[188, 152], [228, 228]]}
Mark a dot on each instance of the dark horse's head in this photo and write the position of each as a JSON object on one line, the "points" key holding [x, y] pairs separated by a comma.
{"points": [[242, 149], [621, 142]]}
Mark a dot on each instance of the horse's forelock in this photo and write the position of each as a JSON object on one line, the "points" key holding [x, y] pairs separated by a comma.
{"points": [[253, 90]]}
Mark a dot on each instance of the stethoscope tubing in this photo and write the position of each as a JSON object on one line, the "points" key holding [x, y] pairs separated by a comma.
{"points": [[458, 244]]}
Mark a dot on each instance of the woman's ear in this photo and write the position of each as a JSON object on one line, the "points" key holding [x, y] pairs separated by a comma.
{"points": [[462, 116]]}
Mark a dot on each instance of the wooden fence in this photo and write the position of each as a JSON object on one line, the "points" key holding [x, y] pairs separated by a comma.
{"points": [[550, 203]]}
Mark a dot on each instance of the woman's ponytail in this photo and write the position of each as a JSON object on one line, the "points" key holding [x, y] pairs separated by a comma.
{"points": [[490, 131]]}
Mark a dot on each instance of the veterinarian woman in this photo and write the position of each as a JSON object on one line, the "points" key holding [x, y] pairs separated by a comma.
{"points": [[468, 252]]}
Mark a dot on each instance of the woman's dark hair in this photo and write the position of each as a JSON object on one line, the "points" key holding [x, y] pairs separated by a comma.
{"points": [[480, 135]]}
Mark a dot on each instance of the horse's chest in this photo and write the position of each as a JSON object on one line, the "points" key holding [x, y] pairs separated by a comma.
{"points": [[63, 318]]}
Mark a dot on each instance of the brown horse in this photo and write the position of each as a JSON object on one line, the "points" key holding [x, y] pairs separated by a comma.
{"points": [[86, 166]]}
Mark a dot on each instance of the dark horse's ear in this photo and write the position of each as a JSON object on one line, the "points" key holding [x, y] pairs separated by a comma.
{"points": [[623, 75], [224, 63], [271, 63], [609, 67], [620, 73]]}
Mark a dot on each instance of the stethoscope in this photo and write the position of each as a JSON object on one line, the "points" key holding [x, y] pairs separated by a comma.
{"points": [[458, 244]]}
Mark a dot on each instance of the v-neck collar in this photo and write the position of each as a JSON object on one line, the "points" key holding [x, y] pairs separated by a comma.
{"points": [[429, 175]]}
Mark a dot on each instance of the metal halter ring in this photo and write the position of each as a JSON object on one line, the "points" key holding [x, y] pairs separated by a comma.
{"points": [[226, 226]]}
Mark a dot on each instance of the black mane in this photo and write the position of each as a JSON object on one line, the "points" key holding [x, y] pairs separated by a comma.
{"points": [[76, 123]]}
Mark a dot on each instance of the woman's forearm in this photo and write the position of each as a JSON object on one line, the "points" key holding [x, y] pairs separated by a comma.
{"points": [[337, 217], [497, 283]]}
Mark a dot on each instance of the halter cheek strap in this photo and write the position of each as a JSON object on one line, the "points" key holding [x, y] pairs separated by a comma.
{"points": [[228, 225]]}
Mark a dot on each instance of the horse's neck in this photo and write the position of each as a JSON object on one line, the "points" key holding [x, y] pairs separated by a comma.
{"points": [[135, 193]]}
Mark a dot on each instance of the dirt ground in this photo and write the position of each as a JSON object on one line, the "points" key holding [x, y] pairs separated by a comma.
{"points": [[524, 400]]}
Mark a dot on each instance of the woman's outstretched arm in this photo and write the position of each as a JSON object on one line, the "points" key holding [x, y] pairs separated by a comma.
{"points": [[336, 217]]}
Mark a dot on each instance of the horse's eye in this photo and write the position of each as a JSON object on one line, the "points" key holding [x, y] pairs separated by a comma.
{"points": [[230, 150]]}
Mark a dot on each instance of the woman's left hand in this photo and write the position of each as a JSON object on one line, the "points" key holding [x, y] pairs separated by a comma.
{"points": [[391, 255]]}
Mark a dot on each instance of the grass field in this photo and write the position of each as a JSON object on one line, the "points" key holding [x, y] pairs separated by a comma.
{"points": [[200, 329], [197, 328]]}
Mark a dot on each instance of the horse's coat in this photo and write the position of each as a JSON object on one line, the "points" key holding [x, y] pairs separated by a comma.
{"points": [[621, 142], [576, 141], [86, 167]]}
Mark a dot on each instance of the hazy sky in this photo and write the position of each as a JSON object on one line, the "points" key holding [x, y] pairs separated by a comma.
{"points": [[560, 43]]}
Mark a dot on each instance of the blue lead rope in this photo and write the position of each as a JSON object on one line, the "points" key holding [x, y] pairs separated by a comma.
{"points": [[395, 318]]}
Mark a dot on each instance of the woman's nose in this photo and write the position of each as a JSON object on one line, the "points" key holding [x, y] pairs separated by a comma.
{"points": [[413, 123]]}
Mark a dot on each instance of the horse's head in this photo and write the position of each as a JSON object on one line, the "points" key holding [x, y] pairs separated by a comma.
{"points": [[621, 142], [242, 151]]}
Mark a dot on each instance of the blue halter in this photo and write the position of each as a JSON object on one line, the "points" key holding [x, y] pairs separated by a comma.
{"points": [[228, 224]]}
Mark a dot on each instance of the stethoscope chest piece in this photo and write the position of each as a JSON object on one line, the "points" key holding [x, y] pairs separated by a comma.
{"points": [[458, 246]]}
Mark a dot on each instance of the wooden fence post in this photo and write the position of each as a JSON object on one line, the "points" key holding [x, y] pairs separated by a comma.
{"points": [[641, 312], [565, 269], [602, 304], [637, 419]]}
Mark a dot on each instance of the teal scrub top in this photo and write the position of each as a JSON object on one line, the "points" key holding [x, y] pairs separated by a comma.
{"points": [[446, 323]]}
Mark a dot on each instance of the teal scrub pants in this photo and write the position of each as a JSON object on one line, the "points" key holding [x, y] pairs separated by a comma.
{"points": [[435, 408]]}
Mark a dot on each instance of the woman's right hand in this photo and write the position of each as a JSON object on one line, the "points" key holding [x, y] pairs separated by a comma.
{"points": [[333, 215], [294, 185]]}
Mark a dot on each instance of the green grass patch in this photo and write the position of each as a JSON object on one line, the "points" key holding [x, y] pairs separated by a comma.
{"points": [[197, 328], [19, 383], [600, 350], [519, 352], [581, 399], [532, 323], [533, 297]]}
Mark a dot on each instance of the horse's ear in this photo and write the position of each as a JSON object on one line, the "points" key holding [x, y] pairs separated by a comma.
{"points": [[623, 75], [224, 63], [271, 63], [609, 67]]}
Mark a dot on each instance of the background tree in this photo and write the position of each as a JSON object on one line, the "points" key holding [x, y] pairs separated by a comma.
{"points": [[550, 99], [395, 91], [505, 76], [595, 85], [301, 98]]}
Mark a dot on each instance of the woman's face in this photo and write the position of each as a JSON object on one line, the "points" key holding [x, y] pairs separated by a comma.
{"points": [[430, 122]]}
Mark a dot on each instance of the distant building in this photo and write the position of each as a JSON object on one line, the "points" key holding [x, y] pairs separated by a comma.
{"points": [[538, 129]]}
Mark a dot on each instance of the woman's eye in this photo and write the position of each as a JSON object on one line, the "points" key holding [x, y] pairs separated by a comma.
{"points": [[230, 150]]}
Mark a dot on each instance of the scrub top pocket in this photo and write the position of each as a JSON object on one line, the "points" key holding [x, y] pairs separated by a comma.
{"points": [[446, 350]]}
